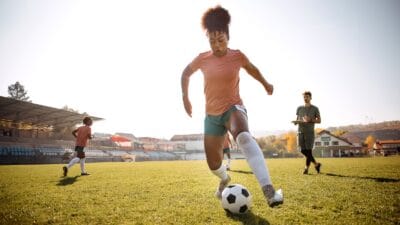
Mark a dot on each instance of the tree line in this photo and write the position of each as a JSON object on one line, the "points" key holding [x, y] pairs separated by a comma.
{"points": [[284, 145]]}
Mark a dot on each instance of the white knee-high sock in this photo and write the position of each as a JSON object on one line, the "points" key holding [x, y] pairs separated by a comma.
{"points": [[220, 172], [72, 162], [254, 157], [83, 165]]}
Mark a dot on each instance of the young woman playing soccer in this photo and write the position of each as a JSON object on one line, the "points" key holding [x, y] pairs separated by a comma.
{"points": [[82, 134], [224, 107]]}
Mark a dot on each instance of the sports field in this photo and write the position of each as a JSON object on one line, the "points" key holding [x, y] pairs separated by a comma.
{"points": [[348, 191]]}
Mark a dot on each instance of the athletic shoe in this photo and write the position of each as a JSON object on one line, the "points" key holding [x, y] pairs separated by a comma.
{"points": [[222, 186], [228, 167], [273, 197], [85, 174], [305, 171], [277, 199], [65, 171], [318, 167]]}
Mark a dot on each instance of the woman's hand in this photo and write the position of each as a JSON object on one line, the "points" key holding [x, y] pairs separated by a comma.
{"points": [[187, 105], [187, 72], [269, 88]]}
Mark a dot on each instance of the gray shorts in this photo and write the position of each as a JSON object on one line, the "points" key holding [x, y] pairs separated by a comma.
{"points": [[306, 141]]}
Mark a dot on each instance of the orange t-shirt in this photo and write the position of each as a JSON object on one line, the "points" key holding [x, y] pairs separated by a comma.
{"points": [[221, 79], [83, 134]]}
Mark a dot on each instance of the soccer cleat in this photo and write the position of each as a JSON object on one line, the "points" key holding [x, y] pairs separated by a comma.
{"points": [[222, 186], [305, 171], [273, 197], [85, 174], [277, 199], [65, 171], [318, 167]]}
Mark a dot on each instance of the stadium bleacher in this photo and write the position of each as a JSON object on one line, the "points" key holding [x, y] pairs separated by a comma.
{"points": [[34, 145], [34, 150]]}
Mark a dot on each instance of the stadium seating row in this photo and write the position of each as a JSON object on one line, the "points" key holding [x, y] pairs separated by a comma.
{"points": [[30, 151], [60, 151]]}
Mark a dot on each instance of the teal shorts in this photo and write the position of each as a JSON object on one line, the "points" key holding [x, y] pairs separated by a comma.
{"points": [[227, 150], [216, 125]]}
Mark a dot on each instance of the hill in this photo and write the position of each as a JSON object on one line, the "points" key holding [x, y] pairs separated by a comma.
{"points": [[387, 125], [388, 130], [356, 133]]}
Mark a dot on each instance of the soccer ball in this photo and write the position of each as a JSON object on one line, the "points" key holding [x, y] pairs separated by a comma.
{"points": [[236, 199]]}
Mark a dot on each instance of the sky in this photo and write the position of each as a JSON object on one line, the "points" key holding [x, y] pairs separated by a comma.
{"points": [[123, 60]]}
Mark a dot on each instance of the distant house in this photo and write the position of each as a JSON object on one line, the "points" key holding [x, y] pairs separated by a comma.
{"points": [[387, 147], [149, 143], [189, 142], [166, 145], [127, 135], [121, 141], [126, 140], [329, 145]]}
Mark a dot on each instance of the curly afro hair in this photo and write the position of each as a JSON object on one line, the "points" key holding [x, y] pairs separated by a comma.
{"points": [[87, 120], [216, 19]]}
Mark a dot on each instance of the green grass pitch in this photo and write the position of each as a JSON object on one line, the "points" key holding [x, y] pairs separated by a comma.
{"points": [[348, 191]]}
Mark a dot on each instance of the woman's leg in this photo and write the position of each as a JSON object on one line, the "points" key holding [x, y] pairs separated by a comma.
{"points": [[228, 164], [74, 160], [238, 127], [82, 162], [255, 158], [213, 146]]}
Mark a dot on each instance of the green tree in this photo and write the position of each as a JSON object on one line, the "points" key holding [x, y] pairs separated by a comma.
{"points": [[266, 145], [18, 92]]}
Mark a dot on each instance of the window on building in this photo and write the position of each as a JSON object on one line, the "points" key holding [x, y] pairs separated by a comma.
{"points": [[335, 143], [317, 143], [326, 143]]}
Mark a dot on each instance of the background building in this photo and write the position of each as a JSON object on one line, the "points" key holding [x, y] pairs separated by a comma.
{"points": [[328, 145]]}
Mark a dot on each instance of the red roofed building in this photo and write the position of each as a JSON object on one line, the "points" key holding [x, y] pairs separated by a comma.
{"points": [[121, 141], [387, 147]]}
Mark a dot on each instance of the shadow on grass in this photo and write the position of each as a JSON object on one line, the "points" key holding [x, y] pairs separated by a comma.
{"points": [[241, 171], [248, 218], [377, 179], [67, 181]]}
